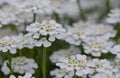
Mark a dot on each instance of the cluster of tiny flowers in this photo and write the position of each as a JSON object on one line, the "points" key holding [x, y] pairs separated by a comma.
{"points": [[18, 12], [96, 46], [116, 50], [37, 6], [75, 62], [85, 66], [76, 33], [60, 73], [12, 43], [20, 65], [82, 31], [40, 32], [114, 16], [64, 53], [74, 39], [27, 75]]}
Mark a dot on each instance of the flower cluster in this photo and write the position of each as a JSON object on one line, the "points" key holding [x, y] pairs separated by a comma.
{"points": [[114, 16], [84, 66], [65, 38], [12, 43], [20, 65], [27, 75], [40, 31], [64, 53]]}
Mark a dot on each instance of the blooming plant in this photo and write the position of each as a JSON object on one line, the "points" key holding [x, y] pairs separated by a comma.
{"points": [[59, 39]]}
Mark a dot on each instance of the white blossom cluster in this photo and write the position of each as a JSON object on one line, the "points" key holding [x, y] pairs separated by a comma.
{"points": [[12, 43], [40, 31], [20, 65], [81, 38], [114, 16], [63, 53], [27, 75], [81, 31], [84, 66]]}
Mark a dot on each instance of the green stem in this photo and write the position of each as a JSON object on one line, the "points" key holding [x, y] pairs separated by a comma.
{"points": [[108, 6], [82, 15], [34, 17], [9, 60], [75, 74], [44, 62]]}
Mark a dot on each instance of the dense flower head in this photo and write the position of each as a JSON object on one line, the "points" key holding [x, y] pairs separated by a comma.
{"points": [[114, 16], [27, 75], [37, 6], [75, 62], [85, 66], [116, 50], [102, 31], [12, 43], [97, 46], [20, 65], [64, 53], [78, 32], [47, 28], [60, 73]]}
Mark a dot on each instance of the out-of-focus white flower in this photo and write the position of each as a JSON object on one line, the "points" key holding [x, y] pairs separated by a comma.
{"points": [[116, 63], [104, 75], [27, 75], [12, 76], [64, 53], [47, 28], [75, 62], [60, 73], [100, 66], [12, 43], [92, 4], [116, 50], [97, 46], [5, 68], [114, 16], [7, 14], [78, 32], [60, 7], [102, 30], [20, 65], [37, 6]]}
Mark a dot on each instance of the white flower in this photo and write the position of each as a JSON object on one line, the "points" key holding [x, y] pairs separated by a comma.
{"points": [[12, 76], [5, 69], [102, 30], [116, 63], [76, 33], [12, 43], [60, 7], [44, 42], [114, 16], [97, 46], [60, 73], [27, 75], [20, 65], [75, 62], [104, 75], [47, 28], [116, 50], [100, 66], [37, 6], [64, 53]]}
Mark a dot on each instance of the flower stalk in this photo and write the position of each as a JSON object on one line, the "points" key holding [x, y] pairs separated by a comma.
{"points": [[44, 63]]}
